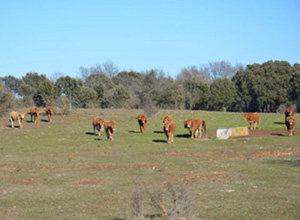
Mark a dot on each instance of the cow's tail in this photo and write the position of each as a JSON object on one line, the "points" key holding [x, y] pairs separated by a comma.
{"points": [[204, 127]]}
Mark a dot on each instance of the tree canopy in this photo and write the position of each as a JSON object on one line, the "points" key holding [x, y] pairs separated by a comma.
{"points": [[216, 86]]}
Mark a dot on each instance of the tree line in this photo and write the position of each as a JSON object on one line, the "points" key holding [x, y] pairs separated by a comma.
{"points": [[217, 86]]}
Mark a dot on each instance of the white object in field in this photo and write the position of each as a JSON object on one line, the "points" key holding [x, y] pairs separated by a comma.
{"points": [[226, 132]]}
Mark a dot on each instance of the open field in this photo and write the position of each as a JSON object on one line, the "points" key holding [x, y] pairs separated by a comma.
{"points": [[60, 170]]}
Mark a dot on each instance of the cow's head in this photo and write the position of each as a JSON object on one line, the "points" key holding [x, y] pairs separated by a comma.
{"points": [[21, 115], [186, 122]]}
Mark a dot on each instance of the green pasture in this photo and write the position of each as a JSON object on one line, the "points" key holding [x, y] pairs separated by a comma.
{"points": [[61, 170]]}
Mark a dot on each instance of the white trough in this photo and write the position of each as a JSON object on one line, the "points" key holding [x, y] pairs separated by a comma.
{"points": [[226, 132]]}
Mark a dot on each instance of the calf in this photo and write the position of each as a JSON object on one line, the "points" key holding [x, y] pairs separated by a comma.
{"points": [[169, 129], [49, 112], [196, 126], [252, 118], [290, 125], [16, 116], [98, 124], [142, 120], [110, 128], [34, 113]]}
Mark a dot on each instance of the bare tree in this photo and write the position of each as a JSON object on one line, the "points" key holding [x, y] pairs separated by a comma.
{"points": [[192, 72], [223, 69]]}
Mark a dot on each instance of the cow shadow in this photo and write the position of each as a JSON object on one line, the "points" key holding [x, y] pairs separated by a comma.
{"points": [[279, 123], [44, 120], [158, 132], [132, 131], [277, 134], [15, 126], [99, 139], [159, 141], [183, 135], [90, 133]]}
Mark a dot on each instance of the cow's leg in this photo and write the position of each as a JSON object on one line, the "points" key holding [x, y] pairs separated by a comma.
{"points": [[168, 138], [172, 138], [19, 122], [99, 131], [192, 136], [11, 122], [200, 130], [112, 136], [107, 133], [196, 133]]}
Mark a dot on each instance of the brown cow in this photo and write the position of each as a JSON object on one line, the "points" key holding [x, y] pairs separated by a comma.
{"points": [[167, 118], [110, 128], [196, 126], [49, 112], [142, 120], [35, 113], [252, 118], [169, 129], [289, 112], [290, 125], [98, 124], [16, 116]]}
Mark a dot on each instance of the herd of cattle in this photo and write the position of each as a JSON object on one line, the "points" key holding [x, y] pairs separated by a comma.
{"points": [[195, 126]]}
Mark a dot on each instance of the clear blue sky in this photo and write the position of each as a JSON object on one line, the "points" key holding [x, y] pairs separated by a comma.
{"points": [[62, 35]]}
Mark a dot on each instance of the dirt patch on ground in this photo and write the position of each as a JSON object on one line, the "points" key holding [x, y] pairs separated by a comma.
{"points": [[231, 156], [191, 177], [61, 168], [27, 181], [93, 181], [196, 177]]}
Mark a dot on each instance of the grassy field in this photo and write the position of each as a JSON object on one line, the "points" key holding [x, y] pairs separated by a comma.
{"points": [[60, 170]]}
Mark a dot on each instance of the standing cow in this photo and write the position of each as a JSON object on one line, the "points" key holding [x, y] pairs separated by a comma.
{"points": [[34, 113], [98, 124], [253, 118], [169, 129], [290, 125], [49, 113], [110, 128], [16, 116], [196, 126], [142, 120]]}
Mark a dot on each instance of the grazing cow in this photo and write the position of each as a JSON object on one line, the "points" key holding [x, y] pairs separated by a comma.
{"points": [[110, 128], [98, 124], [289, 112], [142, 120], [290, 125], [16, 116], [49, 112], [167, 118], [169, 129], [253, 118], [196, 126], [35, 113]]}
